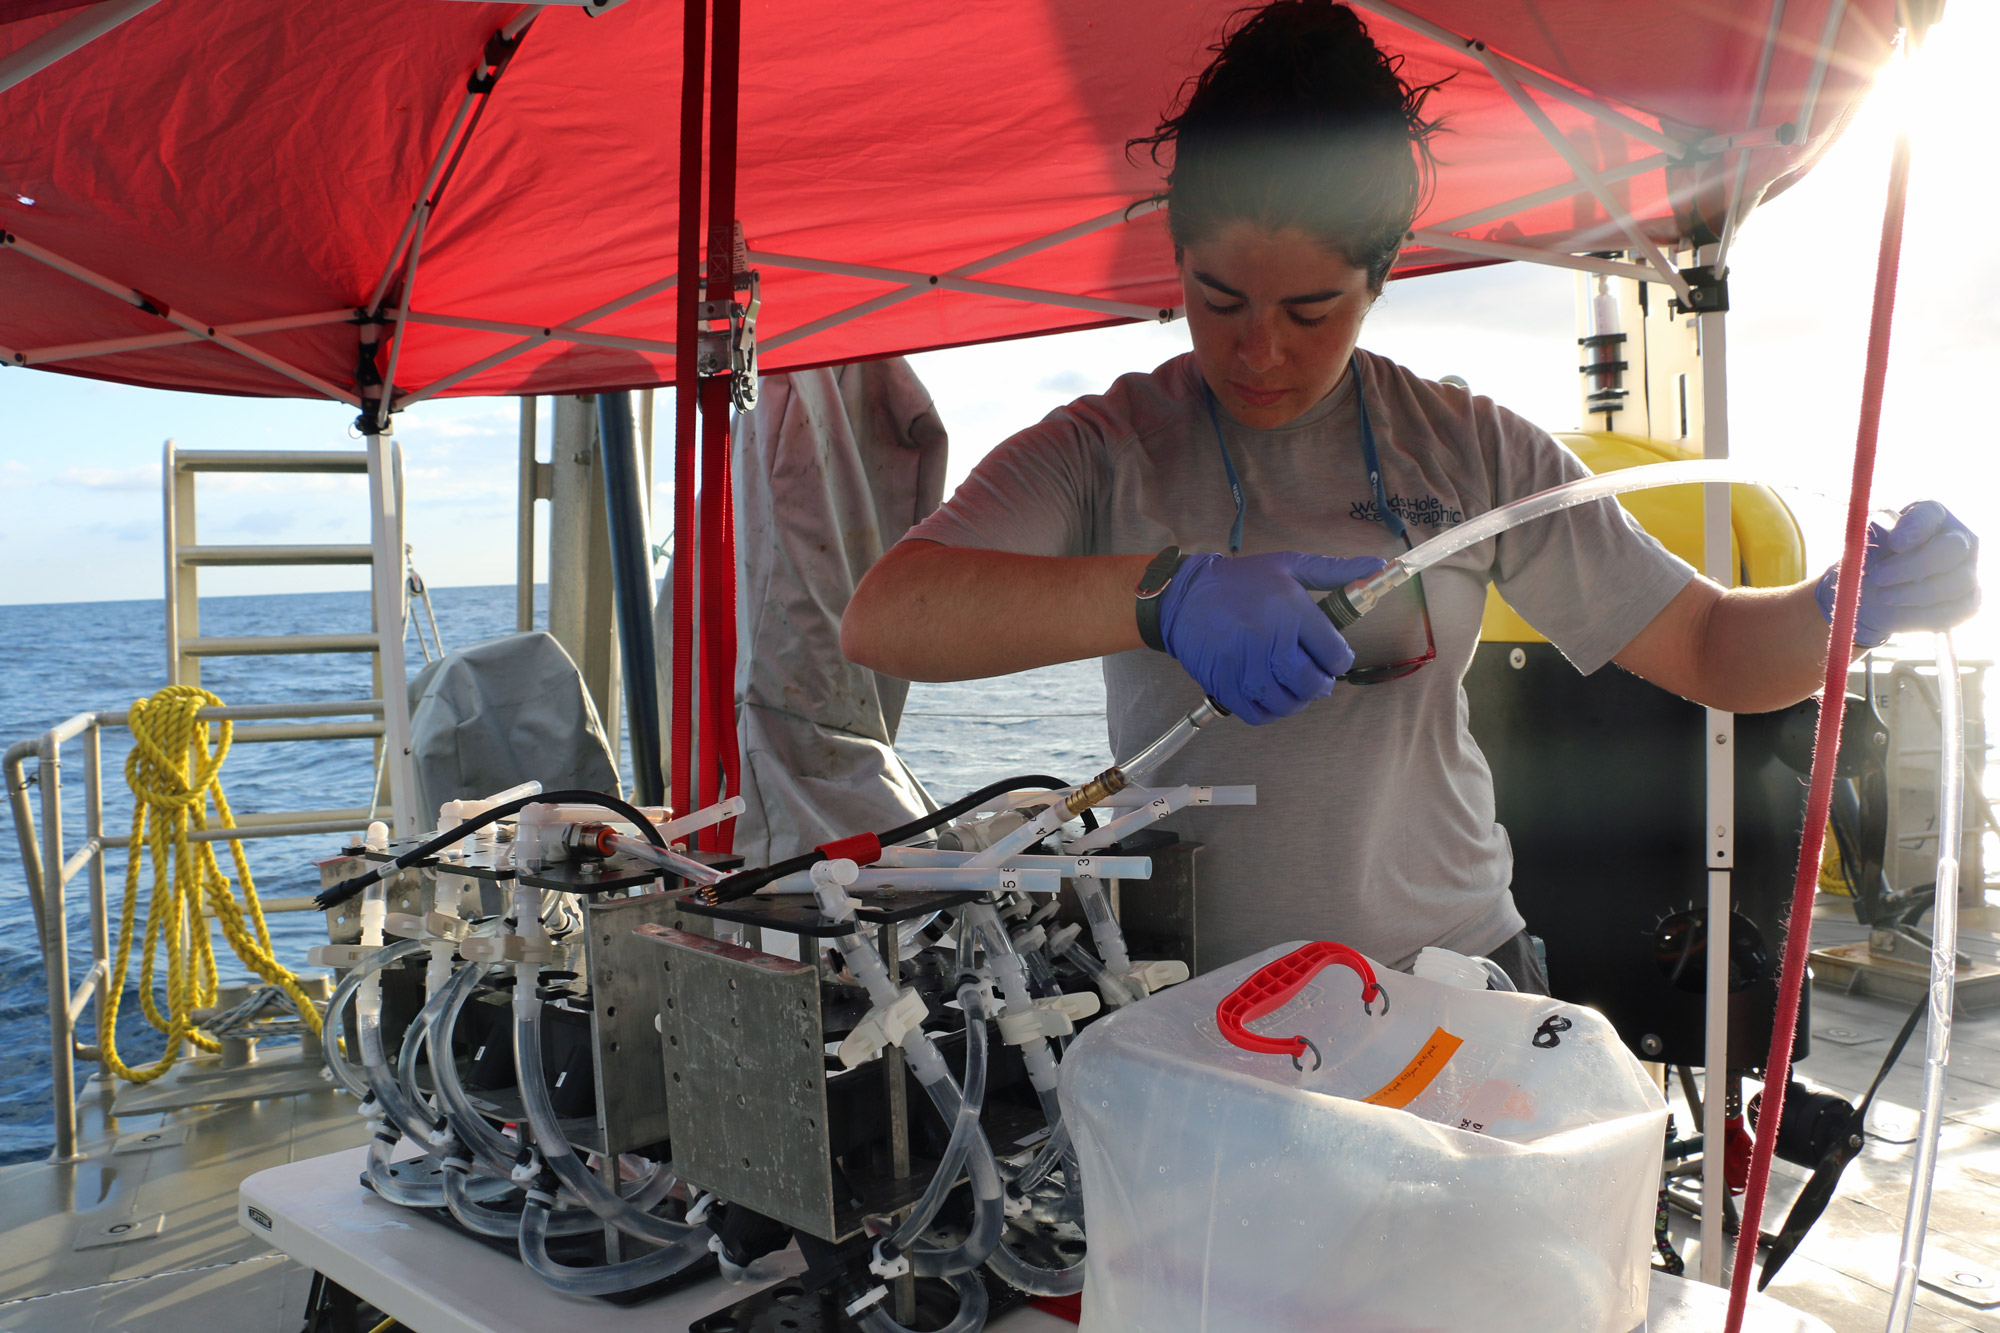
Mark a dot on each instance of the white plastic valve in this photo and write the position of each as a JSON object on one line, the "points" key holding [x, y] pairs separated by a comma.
{"points": [[883, 1028], [1052, 1016], [1157, 975], [506, 949]]}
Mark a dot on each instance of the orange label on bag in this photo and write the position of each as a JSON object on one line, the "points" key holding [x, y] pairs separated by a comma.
{"points": [[1417, 1075]]}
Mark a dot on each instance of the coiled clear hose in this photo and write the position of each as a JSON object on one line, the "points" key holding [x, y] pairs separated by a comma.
{"points": [[601, 1279], [406, 1193], [500, 1223], [971, 1316], [555, 1150], [490, 1147], [413, 1116], [421, 1035], [343, 994], [1018, 1272], [971, 1102], [1944, 969]]}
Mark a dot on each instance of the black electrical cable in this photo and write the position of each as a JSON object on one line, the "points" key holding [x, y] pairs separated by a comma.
{"points": [[349, 888], [746, 882]]}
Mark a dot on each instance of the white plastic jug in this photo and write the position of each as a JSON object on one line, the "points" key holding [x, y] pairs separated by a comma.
{"points": [[1429, 1158]]}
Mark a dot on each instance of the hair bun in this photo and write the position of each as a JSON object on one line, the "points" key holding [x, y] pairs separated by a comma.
{"points": [[1300, 120]]}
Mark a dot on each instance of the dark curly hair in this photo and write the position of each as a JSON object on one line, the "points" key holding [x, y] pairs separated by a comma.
{"points": [[1300, 121]]}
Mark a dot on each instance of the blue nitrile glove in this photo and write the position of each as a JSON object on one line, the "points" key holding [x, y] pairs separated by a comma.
{"points": [[1923, 573], [1249, 629]]}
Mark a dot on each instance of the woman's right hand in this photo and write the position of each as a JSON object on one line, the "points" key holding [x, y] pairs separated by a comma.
{"points": [[1250, 630]]}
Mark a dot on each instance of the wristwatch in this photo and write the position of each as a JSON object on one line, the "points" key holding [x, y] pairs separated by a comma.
{"points": [[1159, 573]]}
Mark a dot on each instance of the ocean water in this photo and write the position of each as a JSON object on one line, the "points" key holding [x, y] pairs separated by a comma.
{"points": [[60, 660]]}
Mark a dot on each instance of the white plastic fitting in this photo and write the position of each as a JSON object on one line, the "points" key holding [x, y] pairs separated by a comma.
{"points": [[888, 1269], [883, 1028], [1052, 1016], [506, 949], [1157, 975]]}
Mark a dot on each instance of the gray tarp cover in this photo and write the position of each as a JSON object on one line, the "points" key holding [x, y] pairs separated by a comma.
{"points": [[500, 713], [832, 468]]}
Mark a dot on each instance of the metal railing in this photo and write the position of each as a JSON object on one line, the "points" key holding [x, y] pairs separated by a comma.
{"points": [[49, 865]]}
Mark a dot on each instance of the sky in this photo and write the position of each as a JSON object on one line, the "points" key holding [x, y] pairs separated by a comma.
{"points": [[80, 498]]}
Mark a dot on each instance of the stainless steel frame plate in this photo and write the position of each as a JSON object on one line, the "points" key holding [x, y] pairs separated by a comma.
{"points": [[745, 1067]]}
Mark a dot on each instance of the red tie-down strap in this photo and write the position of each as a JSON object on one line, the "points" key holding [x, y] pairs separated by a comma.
{"points": [[1272, 985]]}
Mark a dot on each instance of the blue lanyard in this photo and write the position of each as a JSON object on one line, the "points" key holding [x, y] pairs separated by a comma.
{"points": [[1370, 460]]}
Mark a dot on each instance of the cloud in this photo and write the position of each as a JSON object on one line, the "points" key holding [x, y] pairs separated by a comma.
{"points": [[1069, 382], [136, 530], [14, 475], [267, 522], [142, 478]]}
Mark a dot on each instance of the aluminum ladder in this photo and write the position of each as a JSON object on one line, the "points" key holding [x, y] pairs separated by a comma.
{"points": [[387, 714]]}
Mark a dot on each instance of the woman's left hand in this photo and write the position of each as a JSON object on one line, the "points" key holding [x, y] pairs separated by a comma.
{"points": [[1920, 574]]}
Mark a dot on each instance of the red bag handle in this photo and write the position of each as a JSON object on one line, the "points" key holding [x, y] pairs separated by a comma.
{"points": [[1272, 985]]}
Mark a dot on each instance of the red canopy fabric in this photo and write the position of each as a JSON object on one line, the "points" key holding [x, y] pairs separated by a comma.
{"points": [[234, 161]]}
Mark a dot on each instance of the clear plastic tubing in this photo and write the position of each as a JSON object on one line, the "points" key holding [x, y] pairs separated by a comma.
{"points": [[830, 881], [999, 879], [1357, 599], [1944, 967], [606, 1279], [1364, 593], [349, 986], [971, 1316], [396, 1191], [691, 870], [1171, 741], [1165, 801], [555, 1150], [971, 1102], [675, 829], [493, 1149]]}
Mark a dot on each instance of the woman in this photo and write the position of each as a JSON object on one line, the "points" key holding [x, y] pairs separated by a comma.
{"points": [[1293, 464]]}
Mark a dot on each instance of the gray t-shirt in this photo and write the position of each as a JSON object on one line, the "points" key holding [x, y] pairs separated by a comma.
{"points": [[1374, 823]]}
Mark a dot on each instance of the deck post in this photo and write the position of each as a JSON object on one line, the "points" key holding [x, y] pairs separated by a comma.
{"points": [[385, 524], [1719, 741]]}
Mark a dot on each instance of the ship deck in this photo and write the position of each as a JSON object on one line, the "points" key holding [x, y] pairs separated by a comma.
{"points": [[142, 1231]]}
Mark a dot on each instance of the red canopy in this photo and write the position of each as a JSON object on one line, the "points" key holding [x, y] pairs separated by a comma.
{"points": [[907, 173]]}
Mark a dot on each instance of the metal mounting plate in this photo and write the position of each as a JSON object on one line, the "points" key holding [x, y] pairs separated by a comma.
{"points": [[745, 1071]]}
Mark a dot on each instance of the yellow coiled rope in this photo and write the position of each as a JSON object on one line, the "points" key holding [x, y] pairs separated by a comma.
{"points": [[172, 774]]}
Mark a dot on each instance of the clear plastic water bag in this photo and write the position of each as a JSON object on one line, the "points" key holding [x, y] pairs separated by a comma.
{"points": [[1428, 1157]]}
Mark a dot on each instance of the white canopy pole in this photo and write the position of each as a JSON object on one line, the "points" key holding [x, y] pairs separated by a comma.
{"points": [[1465, 245], [565, 331], [58, 42], [1552, 194], [1733, 208], [1590, 106], [1560, 142], [540, 335], [35, 356], [1719, 742], [949, 283], [199, 328]]}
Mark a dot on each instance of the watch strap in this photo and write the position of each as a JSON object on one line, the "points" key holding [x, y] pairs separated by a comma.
{"points": [[1160, 571]]}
